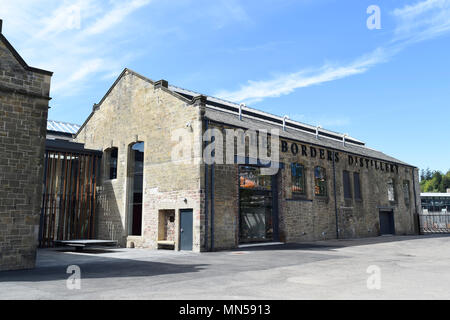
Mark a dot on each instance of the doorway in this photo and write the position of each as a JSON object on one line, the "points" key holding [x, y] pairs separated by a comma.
{"points": [[258, 219], [387, 225], [186, 229]]}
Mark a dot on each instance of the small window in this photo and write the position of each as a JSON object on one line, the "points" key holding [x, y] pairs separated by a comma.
{"points": [[391, 190], [112, 163], [357, 186], [320, 178], [406, 192], [298, 179], [347, 186]]}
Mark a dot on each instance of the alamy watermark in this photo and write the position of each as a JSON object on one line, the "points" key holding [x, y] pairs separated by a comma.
{"points": [[374, 20], [229, 147], [374, 280], [74, 280]]}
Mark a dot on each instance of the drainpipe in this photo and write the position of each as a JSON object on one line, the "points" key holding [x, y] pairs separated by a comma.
{"points": [[206, 195], [415, 201], [212, 207], [335, 195]]}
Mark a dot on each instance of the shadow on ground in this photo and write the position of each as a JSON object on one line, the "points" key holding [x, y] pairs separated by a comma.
{"points": [[103, 268]]}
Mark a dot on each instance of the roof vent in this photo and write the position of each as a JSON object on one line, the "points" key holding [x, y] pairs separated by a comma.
{"points": [[1, 24], [242, 105], [161, 83], [284, 122]]}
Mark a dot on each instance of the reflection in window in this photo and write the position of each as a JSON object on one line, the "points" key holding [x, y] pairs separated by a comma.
{"points": [[347, 186], [298, 178], [320, 178], [357, 186], [251, 178], [111, 164], [391, 190]]}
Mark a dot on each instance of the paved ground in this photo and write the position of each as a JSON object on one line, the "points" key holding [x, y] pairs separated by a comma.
{"points": [[411, 268]]}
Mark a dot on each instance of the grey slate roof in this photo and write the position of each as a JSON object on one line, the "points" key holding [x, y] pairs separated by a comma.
{"points": [[297, 135]]}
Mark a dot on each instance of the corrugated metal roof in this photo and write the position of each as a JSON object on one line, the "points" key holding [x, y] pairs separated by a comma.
{"points": [[64, 127]]}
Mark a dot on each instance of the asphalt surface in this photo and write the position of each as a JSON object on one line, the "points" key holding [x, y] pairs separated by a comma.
{"points": [[373, 268]]}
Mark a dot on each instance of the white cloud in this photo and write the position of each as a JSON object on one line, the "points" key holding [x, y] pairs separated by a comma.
{"points": [[116, 15], [255, 91], [419, 22], [70, 38]]}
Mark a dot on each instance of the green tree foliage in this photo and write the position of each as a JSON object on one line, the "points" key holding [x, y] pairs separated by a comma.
{"points": [[434, 181]]}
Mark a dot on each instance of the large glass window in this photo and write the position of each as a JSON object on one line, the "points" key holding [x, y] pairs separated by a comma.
{"points": [[347, 186], [137, 175], [255, 201], [298, 179], [320, 178], [357, 185]]}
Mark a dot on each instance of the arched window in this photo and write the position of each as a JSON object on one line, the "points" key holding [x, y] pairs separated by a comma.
{"points": [[320, 178], [298, 179]]}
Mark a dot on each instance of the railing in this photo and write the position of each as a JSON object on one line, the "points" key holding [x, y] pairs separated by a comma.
{"points": [[434, 222]]}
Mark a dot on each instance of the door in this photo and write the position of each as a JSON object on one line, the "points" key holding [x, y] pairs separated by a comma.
{"points": [[387, 223], [186, 226], [258, 221]]}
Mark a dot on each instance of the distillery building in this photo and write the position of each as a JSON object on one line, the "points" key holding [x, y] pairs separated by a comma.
{"points": [[156, 190]]}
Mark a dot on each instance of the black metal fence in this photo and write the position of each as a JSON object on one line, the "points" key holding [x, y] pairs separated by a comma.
{"points": [[434, 223]]}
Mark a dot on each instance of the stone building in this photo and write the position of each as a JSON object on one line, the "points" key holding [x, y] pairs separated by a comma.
{"points": [[24, 99], [156, 191]]}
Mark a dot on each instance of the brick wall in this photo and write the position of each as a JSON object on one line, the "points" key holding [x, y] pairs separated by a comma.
{"points": [[23, 121]]}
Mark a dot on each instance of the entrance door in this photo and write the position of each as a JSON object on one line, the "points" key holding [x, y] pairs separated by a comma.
{"points": [[257, 221], [387, 225], [186, 226]]}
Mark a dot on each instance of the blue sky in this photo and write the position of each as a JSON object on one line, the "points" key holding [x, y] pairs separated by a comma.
{"points": [[314, 60]]}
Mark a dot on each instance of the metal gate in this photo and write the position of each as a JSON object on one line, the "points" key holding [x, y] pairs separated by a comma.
{"points": [[69, 197], [434, 223]]}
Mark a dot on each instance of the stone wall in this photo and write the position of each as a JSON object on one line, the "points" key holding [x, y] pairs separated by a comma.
{"points": [[311, 217], [137, 109], [24, 97]]}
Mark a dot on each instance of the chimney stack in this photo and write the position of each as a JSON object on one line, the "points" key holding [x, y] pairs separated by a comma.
{"points": [[1, 24]]}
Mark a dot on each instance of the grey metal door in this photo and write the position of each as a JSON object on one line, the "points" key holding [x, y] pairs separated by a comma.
{"points": [[387, 225], [186, 226]]}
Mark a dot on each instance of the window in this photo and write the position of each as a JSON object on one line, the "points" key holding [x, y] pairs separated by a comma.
{"points": [[320, 178], [406, 191], [298, 178], [357, 186], [112, 163], [347, 186], [391, 190]]}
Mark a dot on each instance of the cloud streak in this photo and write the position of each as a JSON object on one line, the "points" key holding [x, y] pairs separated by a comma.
{"points": [[415, 23], [73, 39]]}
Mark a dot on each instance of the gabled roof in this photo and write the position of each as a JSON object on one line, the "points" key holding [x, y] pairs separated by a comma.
{"points": [[18, 57]]}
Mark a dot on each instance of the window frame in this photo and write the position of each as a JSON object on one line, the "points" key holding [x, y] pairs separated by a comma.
{"points": [[303, 179], [348, 194], [108, 163], [324, 182]]}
